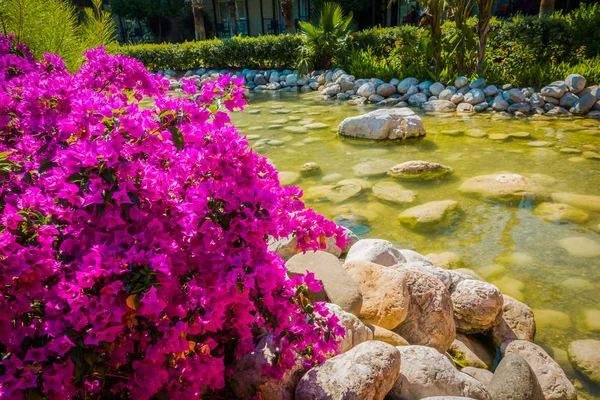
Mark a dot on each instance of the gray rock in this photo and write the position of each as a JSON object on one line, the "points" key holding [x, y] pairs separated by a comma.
{"points": [[310, 168], [274, 77], [536, 100], [553, 381], [305, 89], [480, 107], [555, 90], [412, 256], [338, 287], [418, 170], [329, 76], [499, 104], [291, 80], [464, 90], [368, 371], [302, 80], [450, 278], [464, 108], [356, 331], [366, 90], [389, 102], [439, 106], [446, 94], [504, 188], [386, 89], [332, 90], [558, 112], [477, 306], [457, 98], [478, 83], [375, 98], [575, 83], [394, 82], [406, 83], [461, 81], [551, 100], [523, 107], [434, 215], [424, 86], [490, 91], [377, 251], [474, 96], [516, 96], [425, 372], [417, 99], [273, 86], [314, 85], [392, 192], [436, 88], [482, 375], [259, 79], [568, 100], [514, 379], [584, 104], [430, 320], [397, 123]]}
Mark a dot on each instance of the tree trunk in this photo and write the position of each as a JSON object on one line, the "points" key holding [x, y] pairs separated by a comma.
{"points": [[546, 8], [436, 8], [197, 11], [287, 8], [232, 17], [483, 26]]}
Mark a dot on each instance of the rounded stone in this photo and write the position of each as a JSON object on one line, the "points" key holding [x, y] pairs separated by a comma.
{"points": [[446, 259], [356, 331], [518, 322], [419, 171], [288, 178], [514, 379], [372, 168], [387, 336], [482, 375], [561, 213], [553, 381], [377, 251], [477, 306], [338, 287], [470, 351], [425, 372], [430, 320], [579, 246], [585, 357], [310, 168], [385, 293], [368, 371], [393, 193]]}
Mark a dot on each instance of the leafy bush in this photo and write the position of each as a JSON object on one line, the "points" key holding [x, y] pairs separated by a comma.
{"points": [[364, 64], [267, 51], [50, 26], [583, 27], [134, 241]]}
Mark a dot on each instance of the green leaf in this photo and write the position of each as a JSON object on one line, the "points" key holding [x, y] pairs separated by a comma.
{"points": [[5, 154], [134, 198], [177, 137]]}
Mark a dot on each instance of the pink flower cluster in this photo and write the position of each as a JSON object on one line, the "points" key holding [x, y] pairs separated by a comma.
{"points": [[133, 241]]}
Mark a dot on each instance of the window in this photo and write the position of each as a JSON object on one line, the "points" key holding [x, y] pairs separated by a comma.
{"points": [[240, 10]]}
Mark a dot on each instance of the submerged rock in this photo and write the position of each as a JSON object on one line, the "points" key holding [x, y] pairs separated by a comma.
{"points": [[393, 193], [585, 357], [435, 214], [504, 188], [559, 212], [419, 171], [368, 371], [585, 202], [395, 123], [372, 168], [580, 246]]}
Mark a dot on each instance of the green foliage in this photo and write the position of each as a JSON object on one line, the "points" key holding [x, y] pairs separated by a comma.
{"points": [[365, 64], [238, 52], [584, 23], [323, 39], [51, 26]]}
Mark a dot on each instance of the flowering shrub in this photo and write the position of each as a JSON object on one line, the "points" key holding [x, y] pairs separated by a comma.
{"points": [[133, 241]]}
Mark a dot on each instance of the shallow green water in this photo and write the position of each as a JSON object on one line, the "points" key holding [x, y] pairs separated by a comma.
{"points": [[530, 264]]}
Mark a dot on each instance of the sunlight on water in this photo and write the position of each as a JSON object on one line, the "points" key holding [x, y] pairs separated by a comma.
{"points": [[509, 246]]}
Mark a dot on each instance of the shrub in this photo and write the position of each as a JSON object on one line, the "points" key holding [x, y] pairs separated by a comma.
{"points": [[364, 64], [267, 51], [134, 241]]}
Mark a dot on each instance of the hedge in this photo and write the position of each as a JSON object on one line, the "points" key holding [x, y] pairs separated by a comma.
{"points": [[267, 51]]}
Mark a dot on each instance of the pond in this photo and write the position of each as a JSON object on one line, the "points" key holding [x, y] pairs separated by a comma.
{"points": [[510, 246]]}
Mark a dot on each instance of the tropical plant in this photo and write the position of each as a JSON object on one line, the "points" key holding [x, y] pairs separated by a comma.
{"points": [[51, 26], [460, 40], [135, 257], [484, 10], [365, 64], [323, 40]]}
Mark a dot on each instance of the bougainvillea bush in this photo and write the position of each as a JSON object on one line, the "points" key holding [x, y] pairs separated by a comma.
{"points": [[133, 241]]}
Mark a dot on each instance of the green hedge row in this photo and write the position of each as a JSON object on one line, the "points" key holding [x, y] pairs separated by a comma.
{"points": [[251, 52]]}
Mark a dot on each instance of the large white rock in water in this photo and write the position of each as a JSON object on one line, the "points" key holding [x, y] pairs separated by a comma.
{"points": [[385, 299], [504, 188], [426, 372], [368, 371], [248, 378], [477, 306], [430, 318], [356, 331], [338, 286], [553, 381], [395, 123], [377, 251]]}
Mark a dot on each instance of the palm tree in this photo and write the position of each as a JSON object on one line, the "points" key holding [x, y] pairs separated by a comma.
{"points": [[323, 40], [546, 7], [461, 10], [287, 9], [483, 26], [198, 12]]}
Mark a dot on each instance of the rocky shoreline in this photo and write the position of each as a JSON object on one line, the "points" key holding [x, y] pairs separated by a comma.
{"points": [[565, 98], [415, 331]]}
